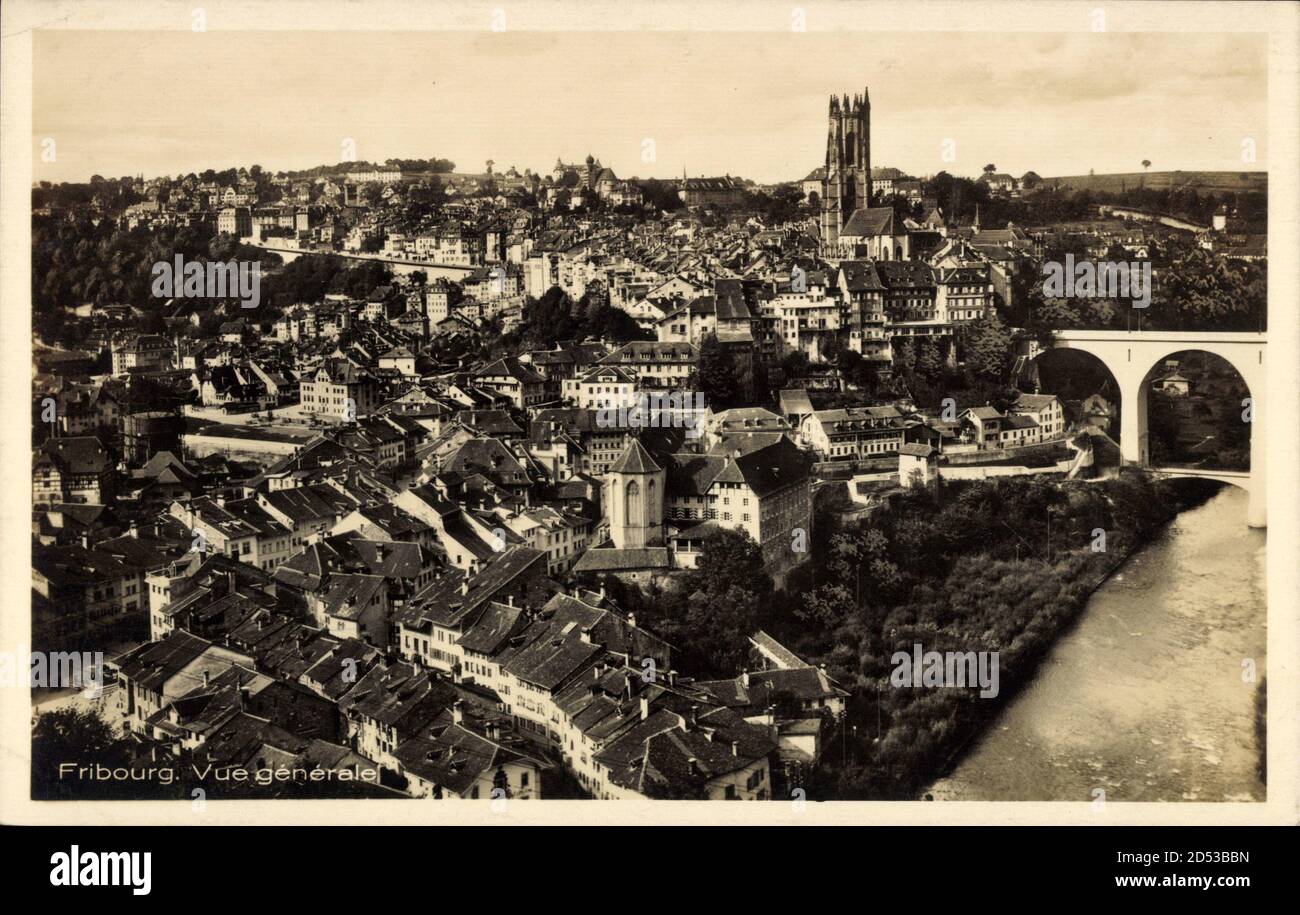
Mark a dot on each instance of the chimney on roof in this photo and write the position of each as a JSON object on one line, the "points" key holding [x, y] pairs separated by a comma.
{"points": [[744, 678], [735, 748], [133, 532], [645, 708], [207, 678], [379, 553], [510, 600], [221, 500], [458, 711], [695, 715], [243, 697], [464, 585]]}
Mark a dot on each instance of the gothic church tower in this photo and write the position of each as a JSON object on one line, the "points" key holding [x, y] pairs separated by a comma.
{"points": [[847, 185]]}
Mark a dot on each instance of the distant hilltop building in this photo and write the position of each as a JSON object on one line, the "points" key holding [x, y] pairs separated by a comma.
{"points": [[590, 178], [587, 172], [846, 186]]}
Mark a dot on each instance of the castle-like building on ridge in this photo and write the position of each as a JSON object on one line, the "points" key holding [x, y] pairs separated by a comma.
{"points": [[846, 186]]}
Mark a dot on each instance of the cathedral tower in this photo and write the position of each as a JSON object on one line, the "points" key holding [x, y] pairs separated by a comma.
{"points": [[847, 185]]}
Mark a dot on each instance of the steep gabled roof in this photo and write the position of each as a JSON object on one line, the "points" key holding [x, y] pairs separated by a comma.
{"points": [[870, 221], [693, 474], [635, 460], [860, 276], [768, 469]]}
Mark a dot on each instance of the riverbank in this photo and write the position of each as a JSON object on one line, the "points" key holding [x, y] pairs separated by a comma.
{"points": [[1186, 494], [958, 577], [1145, 695]]}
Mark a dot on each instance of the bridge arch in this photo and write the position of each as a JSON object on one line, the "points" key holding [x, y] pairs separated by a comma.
{"points": [[1151, 451], [1133, 356], [1078, 375]]}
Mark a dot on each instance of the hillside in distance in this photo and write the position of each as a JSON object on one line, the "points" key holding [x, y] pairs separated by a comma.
{"points": [[1201, 182]]}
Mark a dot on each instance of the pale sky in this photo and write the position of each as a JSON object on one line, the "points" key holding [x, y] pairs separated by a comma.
{"points": [[747, 104]]}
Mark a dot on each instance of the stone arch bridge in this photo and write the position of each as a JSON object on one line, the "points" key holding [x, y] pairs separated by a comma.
{"points": [[1134, 358]]}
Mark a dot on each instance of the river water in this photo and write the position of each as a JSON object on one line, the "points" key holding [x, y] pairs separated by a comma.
{"points": [[1144, 697]]}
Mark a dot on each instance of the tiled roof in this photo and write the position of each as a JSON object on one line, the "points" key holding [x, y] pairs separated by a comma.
{"points": [[635, 459], [1034, 402], [795, 401], [493, 629], [82, 454], [693, 474], [778, 653], [860, 276], [905, 274], [768, 469], [609, 559], [310, 503], [867, 222], [458, 597], [153, 664], [348, 595]]}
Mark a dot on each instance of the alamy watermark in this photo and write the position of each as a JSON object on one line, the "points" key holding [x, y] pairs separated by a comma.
{"points": [[183, 279], [53, 670], [1101, 279], [103, 868], [946, 670], [678, 410]]}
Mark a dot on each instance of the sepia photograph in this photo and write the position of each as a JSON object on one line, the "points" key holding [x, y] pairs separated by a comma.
{"points": [[795, 404]]}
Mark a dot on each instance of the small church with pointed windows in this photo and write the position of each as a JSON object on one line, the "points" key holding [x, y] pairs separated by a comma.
{"points": [[633, 497], [634, 494], [660, 507]]}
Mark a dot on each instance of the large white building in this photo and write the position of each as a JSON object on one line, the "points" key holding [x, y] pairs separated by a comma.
{"points": [[854, 433]]}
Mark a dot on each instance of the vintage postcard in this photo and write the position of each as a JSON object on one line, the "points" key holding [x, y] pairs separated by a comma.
{"points": [[875, 413]]}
